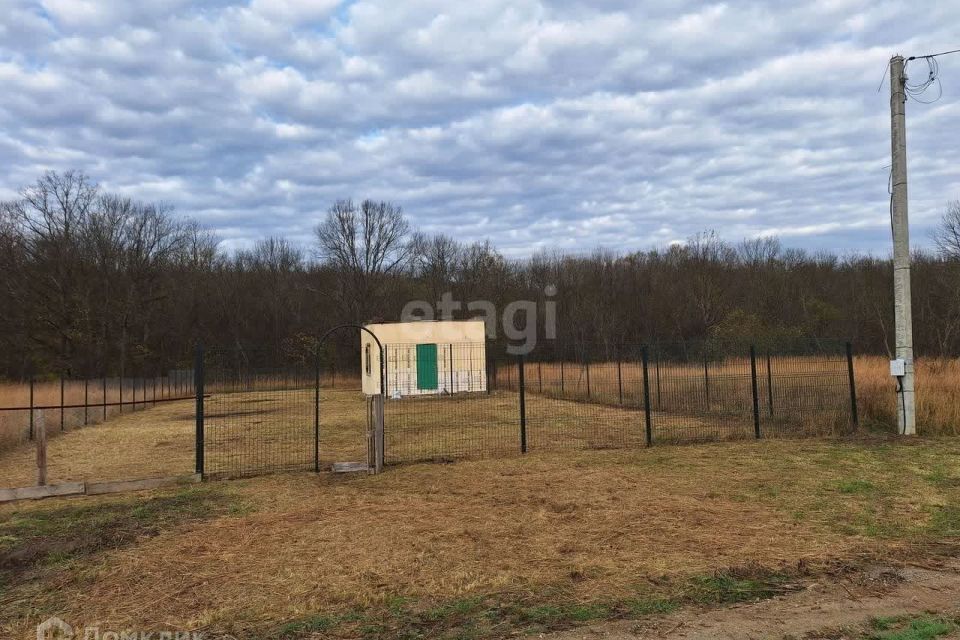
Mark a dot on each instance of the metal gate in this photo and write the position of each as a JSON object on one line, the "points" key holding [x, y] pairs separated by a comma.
{"points": [[261, 412], [257, 412]]}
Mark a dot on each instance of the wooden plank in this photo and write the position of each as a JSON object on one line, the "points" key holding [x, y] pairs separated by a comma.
{"points": [[46, 491], [99, 488], [350, 467]]}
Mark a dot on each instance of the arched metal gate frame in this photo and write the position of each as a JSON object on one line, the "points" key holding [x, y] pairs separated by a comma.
{"points": [[375, 452]]}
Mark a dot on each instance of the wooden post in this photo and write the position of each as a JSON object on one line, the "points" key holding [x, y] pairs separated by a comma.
{"points": [[104, 396], [41, 428], [86, 400], [586, 365], [61, 402]]}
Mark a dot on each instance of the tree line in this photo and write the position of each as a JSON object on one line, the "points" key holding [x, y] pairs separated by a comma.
{"points": [[96, 283]]}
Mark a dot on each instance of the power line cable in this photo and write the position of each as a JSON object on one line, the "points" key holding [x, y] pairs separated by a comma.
{"points": [[934, 55]]}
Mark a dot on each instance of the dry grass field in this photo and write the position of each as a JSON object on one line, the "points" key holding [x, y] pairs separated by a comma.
{"points": [[14, 425], [938, 394], [484, 548], [726, 387]]}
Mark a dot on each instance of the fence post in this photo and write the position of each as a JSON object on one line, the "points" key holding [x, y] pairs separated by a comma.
{"points": [[853, 387], [316, 410], [706, 381], [756, 398], [648, 419], [523, 405], [104, 396], [540, 375], [86, 399], [120, 404], [488, 369], [61, 402], [41, 451], [769, 385], [154, 390], [450, 352], [659, 401], [586, 365], [376, 438], [198, 381], [619, 380], [31, 408], [562, 393]]}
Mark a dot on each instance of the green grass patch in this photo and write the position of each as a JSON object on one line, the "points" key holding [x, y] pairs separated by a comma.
{"points": [[305, 626], [493, 617], [640, 607], [945, 521], [724, 588], [904, 628], [37, 538], [851, 487]]}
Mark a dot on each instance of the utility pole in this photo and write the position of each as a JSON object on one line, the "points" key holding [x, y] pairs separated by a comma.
{"points": [[903, 315]]}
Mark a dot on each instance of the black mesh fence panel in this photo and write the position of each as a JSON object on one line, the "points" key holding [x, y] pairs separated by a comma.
{"points": [[259, 412], [266, 412]]}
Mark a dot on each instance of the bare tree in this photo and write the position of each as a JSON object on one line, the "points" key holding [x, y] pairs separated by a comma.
{"points": [[364, 244], [947, 234], [50, 217]]}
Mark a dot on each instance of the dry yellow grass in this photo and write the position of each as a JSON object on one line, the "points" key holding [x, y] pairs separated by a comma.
{"points": [[798, 384], [938, 394], [582, 526], [152, 443], [14, 425]]}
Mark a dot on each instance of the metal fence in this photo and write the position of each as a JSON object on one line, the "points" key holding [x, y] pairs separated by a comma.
{"points": [[258, 411], [261, 412], [594, 397], [67, 403]]}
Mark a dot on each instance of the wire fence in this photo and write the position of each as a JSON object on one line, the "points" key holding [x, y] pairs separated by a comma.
{"points": [[595, 397], [258, 411], [65, 403], [261, 411]]}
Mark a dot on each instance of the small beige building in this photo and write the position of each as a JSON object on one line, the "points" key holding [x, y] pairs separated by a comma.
{"points": [[425, 357]]}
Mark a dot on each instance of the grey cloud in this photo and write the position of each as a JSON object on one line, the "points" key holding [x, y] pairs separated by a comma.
{"points": [[566, 124]]}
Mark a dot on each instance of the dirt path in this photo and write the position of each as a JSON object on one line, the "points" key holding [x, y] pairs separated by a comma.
{"points": [[819, 610]]}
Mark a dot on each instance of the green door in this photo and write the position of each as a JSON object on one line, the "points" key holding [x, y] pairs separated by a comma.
{"points": [[426, 367]]}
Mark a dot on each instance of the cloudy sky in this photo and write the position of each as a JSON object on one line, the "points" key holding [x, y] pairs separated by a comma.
{"points": [[567, 124]]}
